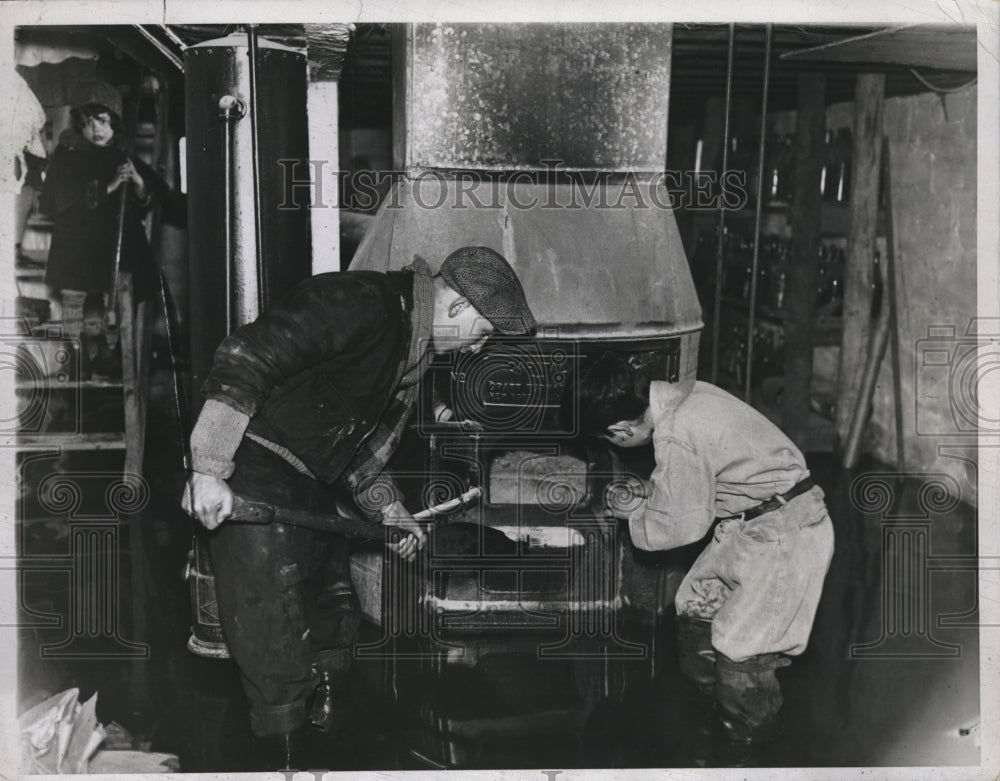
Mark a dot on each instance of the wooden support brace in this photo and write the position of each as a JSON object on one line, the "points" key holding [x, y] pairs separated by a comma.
{"points": [[134, 442], [143, 368], [800, 295], [858, 325]]}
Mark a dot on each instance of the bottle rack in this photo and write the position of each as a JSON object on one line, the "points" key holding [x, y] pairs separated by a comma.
{"points": [[779, 166], [778, 253]]}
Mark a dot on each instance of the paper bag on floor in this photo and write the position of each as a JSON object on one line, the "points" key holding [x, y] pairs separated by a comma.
{"points": [[59, 735], [86, 735]]}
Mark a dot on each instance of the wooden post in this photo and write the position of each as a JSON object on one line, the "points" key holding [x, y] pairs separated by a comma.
{"points": [[133, 405], [327, 46], [130, 377], [143, 366], [891, 272], [866, 390], [800, 293], [401, 47], [869, 98]]}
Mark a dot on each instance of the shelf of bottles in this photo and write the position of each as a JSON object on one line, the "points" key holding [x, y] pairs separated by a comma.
{"points": [[779, 167], [778, 252], [777, 255]]}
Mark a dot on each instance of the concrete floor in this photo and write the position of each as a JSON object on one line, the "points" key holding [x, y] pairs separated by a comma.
{"points": [[891, 676]]}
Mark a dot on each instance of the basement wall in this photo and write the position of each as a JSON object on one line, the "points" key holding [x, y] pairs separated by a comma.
{"points": [[932, 146]]}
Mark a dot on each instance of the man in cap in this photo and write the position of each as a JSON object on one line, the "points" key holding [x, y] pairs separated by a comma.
{"points": [[302, 405]]}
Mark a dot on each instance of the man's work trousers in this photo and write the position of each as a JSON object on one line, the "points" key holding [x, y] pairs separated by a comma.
{"points": [[286, 603]]}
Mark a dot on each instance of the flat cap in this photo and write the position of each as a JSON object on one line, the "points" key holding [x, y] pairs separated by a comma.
{"points": [[484, 277]]}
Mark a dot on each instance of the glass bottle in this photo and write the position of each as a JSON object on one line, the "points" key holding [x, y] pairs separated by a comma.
{"points": [[837, 275], [845, 151], [775, 182], [788, 187], [763, 271], [822, 277], [779, 278], [826, 183], [746, 260]]}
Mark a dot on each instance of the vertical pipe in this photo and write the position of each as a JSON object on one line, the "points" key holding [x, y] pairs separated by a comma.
{"points": [[262, 281], [227, 211], [717, 308], [231, 110], [757, 216]]}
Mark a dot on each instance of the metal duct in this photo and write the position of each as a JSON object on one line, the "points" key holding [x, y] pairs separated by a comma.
{"points": [[602, 271]]}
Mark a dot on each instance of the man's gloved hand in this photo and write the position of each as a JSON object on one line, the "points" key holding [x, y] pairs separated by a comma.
{"points": [[396, 515], [207, 498]]}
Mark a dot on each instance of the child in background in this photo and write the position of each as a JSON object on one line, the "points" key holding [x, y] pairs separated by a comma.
{"points": [[81, 195], [748, 602], [100, 354]]}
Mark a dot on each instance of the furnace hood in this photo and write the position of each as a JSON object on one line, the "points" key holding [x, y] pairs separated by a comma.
{"points": [[546, 143], [602, 261]]}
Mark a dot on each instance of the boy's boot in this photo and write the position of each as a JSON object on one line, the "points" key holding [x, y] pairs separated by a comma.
{"points": [[695, 698], [695, 652], [748, 696]]}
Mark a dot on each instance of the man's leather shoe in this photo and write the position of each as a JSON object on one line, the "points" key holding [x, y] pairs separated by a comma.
{"points": [[330, 709]]}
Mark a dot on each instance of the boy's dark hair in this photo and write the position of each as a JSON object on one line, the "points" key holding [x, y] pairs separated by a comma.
{"points": [[79, 114], [608, 390]]}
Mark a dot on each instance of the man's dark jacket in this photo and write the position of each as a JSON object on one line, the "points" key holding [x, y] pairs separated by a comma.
{"points": [[318, 372]]}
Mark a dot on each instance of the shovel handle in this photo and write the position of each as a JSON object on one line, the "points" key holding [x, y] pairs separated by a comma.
{"points": [[250, 511], [261, 513]]}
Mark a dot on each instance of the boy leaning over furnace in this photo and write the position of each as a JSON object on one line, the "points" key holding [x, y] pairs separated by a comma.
{"points": [[755, 588]]}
